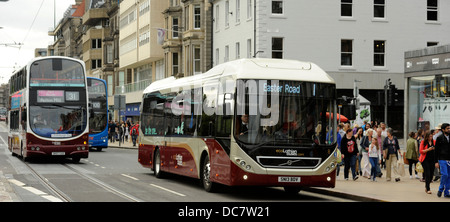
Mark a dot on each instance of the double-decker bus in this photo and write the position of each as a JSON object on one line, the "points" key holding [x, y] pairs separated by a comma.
{"points": [[48, 112], [249, 122], [98, 110]]}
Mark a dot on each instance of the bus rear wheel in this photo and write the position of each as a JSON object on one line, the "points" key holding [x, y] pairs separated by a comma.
{"points": [[157, 165], [208, 185]]}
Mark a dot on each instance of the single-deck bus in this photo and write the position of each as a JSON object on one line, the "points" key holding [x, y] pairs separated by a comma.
{"points": [[249, 122], [98, 110], [48, 111]]}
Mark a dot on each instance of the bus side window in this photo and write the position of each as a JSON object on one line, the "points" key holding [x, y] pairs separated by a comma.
{"points": [[24, 118]]}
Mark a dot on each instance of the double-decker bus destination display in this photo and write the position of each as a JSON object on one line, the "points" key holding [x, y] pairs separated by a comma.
{"points": [[56, 96]]}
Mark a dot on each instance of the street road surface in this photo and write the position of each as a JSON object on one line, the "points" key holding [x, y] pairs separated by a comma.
{"points": [[114, 175]]}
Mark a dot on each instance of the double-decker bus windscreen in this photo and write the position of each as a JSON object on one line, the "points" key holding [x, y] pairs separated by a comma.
{"points": [[97, 100], [294, 113], [57, 98]]}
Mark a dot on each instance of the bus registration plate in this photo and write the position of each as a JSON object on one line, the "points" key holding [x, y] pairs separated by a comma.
{"points": [[289, 179], [58, 153]]}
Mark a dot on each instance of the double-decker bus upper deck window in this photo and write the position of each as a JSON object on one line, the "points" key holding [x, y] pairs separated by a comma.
{"points": [[57, 72], [97, 97], [57, 98]]}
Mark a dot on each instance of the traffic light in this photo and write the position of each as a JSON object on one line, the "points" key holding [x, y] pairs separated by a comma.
{"points": [[392, 95]]}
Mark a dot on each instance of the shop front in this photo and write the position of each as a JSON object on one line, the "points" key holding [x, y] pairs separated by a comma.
{"points": [[427, 97]]}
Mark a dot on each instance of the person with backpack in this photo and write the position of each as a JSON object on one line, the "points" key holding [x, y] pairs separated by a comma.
{"points": [[349, 150]]}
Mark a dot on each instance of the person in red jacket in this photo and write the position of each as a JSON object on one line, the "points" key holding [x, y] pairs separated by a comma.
{"points": [[427, 158], [134, 133]]}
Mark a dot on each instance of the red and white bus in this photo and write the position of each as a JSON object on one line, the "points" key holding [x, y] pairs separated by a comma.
{"points": [[48, 109], [249, 122]]}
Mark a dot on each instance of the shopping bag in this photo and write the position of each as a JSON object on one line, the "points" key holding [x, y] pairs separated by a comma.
{"points": [[419, 167], [338, 156], [400, 167]]}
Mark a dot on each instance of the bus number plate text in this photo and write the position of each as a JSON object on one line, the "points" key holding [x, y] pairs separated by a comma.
{"points": [[58, 153], [289, 179]]}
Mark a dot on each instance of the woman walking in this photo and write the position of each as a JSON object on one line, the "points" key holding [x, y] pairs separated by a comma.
{"points": [[365, 143], [349, 150], [375, 157], [412, 153], [391, 149], [427, 158]]}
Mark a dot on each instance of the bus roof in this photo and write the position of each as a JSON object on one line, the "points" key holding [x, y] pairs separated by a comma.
{"points": [[258, 68]]}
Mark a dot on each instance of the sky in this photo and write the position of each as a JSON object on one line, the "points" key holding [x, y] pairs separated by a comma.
{"points": [[17, 26]]}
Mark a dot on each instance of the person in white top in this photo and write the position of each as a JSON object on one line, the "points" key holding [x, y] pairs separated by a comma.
{"points": [[374, 157]]}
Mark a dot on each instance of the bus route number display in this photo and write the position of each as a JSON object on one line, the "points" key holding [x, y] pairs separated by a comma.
{"points": [[56, 96]]}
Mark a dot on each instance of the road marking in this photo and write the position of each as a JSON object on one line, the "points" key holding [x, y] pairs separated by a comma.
{"points": [[35, 191], [51, 198], [171, 191], [16, 182], [133, 178]]}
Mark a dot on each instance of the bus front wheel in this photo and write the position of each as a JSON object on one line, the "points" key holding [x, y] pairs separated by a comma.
{"points": [[208, 185]]}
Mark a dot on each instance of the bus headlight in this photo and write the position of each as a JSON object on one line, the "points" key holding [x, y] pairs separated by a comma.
{"points": [[243, 164]]}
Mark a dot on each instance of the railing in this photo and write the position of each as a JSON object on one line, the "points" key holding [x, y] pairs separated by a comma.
{"points": [[133, 87]]}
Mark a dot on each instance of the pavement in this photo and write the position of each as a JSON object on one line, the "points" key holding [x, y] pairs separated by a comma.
{"points": [[362, 189]]}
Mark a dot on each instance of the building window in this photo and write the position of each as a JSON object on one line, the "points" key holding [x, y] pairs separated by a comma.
{"points": [[238, 50], [175, 28], [249, 9], [197, 59], [186, 18], [249, 48], [379, 8], [217, 57], [277, 7], [175, 63], [227, 13], [346, 8], [238, 11], [109, 54], [346, 52], [277, 48], [227, 54], [379, 50], [96, 63], [197, 17], [96, 44], [432, 10], [217, 18]]}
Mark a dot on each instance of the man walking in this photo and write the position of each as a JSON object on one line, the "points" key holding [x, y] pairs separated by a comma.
{"points": [[443, 159]]}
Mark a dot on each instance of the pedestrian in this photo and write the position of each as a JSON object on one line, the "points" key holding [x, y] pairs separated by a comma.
{"points": [[374, 157], [365, 143], [135, 133], [127, 131], [419, 139], [121, 132], [358, 136], [427, 158], [391, 148], [349, 150], [112, 132], [443, 158], [380, 140], [412, 154]]}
